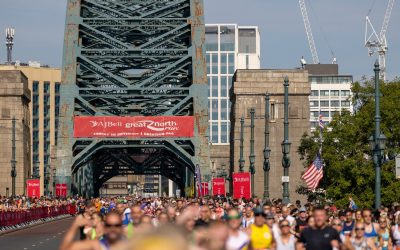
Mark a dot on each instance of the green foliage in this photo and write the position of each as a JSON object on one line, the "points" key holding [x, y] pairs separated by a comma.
{"points": [[349, 168]]}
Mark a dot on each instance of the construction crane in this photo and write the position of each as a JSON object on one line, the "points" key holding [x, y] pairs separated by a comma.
{"points": [[376, 43], [310, 37]]}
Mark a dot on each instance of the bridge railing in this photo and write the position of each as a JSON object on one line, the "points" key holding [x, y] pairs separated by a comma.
{"points": [[18, 217]]}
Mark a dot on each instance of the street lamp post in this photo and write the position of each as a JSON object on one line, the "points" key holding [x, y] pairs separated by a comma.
{"points": [[286, 145], [46, 179], [36, 174], [241, 159], [377, 141], [13, 160], [252, 157], [267, 150]]}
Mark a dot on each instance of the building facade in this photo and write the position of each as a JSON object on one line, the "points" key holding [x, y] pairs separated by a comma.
{"points": [[228, 47], [14, 103], [248, 91], [44, 85], [330, 92]]}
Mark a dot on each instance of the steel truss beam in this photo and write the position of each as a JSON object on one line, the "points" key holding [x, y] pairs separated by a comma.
{"points": [[133, 58]]}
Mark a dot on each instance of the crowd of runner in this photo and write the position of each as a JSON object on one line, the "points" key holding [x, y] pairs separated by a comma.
{"points": [[224, 224]]}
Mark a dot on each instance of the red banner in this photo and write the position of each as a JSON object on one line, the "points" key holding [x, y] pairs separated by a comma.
{"points": [[241, 185], [61, 190], [133, 127], [33, 187], [218, 186], [205, 191]]}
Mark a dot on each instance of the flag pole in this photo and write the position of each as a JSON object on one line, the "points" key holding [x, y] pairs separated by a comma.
{"points": [[321, 126]]}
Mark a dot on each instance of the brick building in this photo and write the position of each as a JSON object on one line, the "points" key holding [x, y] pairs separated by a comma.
{"points": [[248, 91], [14, 100]]}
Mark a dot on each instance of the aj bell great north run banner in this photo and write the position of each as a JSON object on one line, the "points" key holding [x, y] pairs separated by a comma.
{"points": [[33, 188], [133, 127], [218, 186], [61, 190], [241, 185], [205, 190]]}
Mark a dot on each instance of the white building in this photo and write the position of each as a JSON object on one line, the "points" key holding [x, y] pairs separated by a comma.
{"points": [[330, 92], [229, 47]]}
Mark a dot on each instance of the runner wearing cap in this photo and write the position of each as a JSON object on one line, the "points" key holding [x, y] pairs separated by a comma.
{"points": [[260, 234]]}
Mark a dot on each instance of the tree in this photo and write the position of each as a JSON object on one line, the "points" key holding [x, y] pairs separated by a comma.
{"points": [[349, 168]]}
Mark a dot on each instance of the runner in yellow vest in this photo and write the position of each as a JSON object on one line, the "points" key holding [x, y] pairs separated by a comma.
{"points": [[261, 237]]}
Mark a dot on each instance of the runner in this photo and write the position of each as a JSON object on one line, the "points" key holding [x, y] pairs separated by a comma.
{"points": [[261, 236], [237, 240], [319, 236]]}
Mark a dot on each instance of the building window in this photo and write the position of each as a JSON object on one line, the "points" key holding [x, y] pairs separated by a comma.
{"points": [[314, 104], [227, 38], [247, 40], [46, 123], [35, 99], [272, 113], [335, 104], [324, 92], [211, 38], [46, 100], [35, 158], [224, 132], [224, 86], [35, 146], [35, 135], [325, 113], [35, 86], [224, 109], [57, 100], [214, 132], [46, 111], [57, 88], [313, 124], [35, 110], [224, 63], [345, 103], [46, 87], [314, 113], [35, 123], [214, 109], [324, 103], [46, 159], [333, 113], [214, 64], [314, 92], [345, 92], [46, 135], [334, 92]]}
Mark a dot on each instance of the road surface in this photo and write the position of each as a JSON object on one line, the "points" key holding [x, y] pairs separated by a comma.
{"points": [[46, 236]]}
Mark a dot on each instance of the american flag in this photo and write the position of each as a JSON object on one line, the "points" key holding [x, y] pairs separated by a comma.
{"points": [[314, 173], [321, 122]]}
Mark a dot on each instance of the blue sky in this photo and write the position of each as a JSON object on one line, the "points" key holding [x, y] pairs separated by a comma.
{"points": [[39, 28]]}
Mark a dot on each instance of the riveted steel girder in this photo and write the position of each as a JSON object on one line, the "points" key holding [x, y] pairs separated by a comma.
{"points": [[133, 58]]}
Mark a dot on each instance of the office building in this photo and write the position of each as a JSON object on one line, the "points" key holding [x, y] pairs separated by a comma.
{"points": [[44, 85], [14, 103], [330, 92], [248, 91], [228, 47]]}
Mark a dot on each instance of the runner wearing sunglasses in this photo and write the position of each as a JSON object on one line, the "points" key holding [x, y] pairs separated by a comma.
{"points": [[285, 240], [113, 234]]}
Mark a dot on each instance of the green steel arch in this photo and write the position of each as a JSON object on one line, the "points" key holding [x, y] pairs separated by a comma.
{"points": [[132, 58]]}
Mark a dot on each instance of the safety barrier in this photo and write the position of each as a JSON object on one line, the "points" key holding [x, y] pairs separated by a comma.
{"points": [[12, 218]]}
